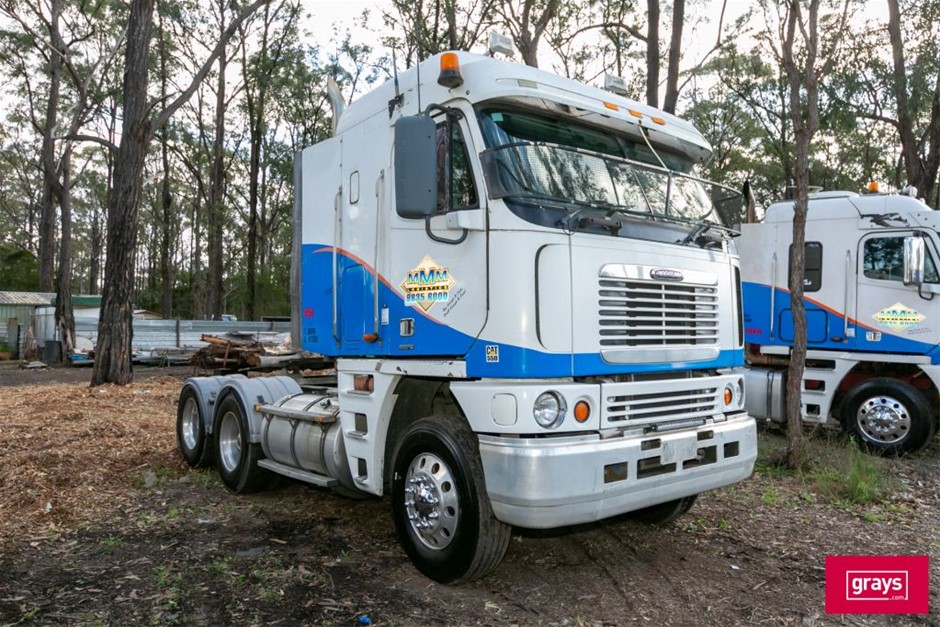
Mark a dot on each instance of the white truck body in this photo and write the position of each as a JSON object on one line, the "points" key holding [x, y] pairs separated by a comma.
{"points": [[553, 357], [873, 361]]}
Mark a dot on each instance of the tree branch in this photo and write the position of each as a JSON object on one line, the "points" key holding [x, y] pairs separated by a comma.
{"points": [[161, 118]]}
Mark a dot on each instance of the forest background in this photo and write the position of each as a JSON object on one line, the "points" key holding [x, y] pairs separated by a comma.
{"points": [[158, 135]]}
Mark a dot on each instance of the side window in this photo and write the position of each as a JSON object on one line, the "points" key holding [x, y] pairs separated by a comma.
{"points": [[883, 258], [455, 188], [812, 266]]}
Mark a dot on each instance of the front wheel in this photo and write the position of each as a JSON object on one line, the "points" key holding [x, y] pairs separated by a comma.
{"points": [[664, 513], [442, 512], [888, 417]]}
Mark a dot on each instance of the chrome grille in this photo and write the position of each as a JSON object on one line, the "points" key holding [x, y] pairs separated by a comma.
{"points": [[661, 406], [650, 313]]}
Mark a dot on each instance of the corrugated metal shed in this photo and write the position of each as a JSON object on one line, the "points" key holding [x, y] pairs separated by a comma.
{"points": [[34, 299], [19, 306]]}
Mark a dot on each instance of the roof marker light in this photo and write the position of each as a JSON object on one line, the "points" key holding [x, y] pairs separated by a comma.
{"points": [[450, 71], [635, 114], [659, 121], [611, 106]]}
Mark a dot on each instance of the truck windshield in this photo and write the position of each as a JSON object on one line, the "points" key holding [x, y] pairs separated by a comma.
{"points": [[539, 158]]}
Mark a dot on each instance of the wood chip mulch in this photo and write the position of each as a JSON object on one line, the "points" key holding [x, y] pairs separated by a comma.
{"points": [[74, 455]]}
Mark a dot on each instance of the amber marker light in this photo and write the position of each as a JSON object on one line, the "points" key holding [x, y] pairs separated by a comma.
{"points": [[729, 396], [363, 383], [635, 114], [582, 411], [611, 106], [659, 121], [450, 71]]}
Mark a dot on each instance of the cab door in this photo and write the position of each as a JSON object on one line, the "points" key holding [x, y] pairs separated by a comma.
{"points": [[357, 218], [437, 281], [891, 316]]}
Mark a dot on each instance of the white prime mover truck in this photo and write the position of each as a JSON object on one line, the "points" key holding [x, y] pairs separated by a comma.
{"points": [[532, 310], [873, 324]]}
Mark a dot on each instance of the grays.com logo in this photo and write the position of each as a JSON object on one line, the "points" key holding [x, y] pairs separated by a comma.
{"points": [[666, 274]]}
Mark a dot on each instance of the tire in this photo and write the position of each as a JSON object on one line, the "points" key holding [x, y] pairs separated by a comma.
{"points": [[194, 443], [236, 457], [888, 417], [442, 512], [664, 513]]}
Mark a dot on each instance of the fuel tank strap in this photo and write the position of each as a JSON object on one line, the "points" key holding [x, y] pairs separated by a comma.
{"points": [[296, 414]]}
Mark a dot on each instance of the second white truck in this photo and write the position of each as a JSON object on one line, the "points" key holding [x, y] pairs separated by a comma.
{"points": [[872, 314]]}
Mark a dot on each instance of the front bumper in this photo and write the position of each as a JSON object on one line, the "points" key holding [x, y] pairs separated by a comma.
{"points": [[542, 483]]}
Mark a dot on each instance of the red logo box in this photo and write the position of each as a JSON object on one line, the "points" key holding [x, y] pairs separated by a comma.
{"points": [[877, 584]]}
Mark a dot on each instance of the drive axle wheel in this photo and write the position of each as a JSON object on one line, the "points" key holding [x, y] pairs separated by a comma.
{"points": [[442, 512], [888, 417], [236, 456], [191, 437]]}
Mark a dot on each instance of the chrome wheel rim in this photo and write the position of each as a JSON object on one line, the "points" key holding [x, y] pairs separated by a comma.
{"points": [[230, 442], [431, 501], [883, 420], [190, 424]]}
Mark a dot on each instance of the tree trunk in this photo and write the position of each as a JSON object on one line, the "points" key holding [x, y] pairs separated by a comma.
{"points": [[64, 315], [652, 53], [805, 119], [675, 57], [115, 330], [94, 269], [215, 287], [198, 273], [47, 221], [255, 106], [115, 325], [909, 144], [166, 198]]}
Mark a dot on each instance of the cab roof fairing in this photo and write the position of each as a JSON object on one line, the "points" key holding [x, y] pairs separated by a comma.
{"points": [[837, 206], [487, 79]]}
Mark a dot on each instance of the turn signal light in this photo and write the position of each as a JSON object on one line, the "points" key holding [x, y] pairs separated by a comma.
{"points": [[450, 71], [729, 396], [582, 411]]}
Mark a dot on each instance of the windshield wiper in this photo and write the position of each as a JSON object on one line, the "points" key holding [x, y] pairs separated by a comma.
{"points": [[696, 234]]}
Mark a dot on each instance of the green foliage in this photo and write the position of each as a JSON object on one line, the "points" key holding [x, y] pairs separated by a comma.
{"points": [[864, 482], [850, 476], [19, 270]]}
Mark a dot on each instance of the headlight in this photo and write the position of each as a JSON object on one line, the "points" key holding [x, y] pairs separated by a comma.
{"points": [[549, 409]]}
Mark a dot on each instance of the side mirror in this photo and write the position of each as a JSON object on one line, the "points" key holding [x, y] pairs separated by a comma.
{"points": [[415, 167], [914, 254]]}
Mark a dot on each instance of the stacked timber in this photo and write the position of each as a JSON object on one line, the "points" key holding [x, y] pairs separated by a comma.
{"points": [[251, 351]]}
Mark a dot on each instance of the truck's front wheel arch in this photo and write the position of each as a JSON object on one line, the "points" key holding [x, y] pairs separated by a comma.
{"points": [[888, 416], [415, 398]]}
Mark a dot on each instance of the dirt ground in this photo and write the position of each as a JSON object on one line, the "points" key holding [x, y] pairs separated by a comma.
{"points": [[101, 523]]}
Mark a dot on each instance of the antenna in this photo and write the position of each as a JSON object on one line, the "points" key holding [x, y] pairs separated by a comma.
{"points": [[418, 68], [397, 100], [418, 55]]}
